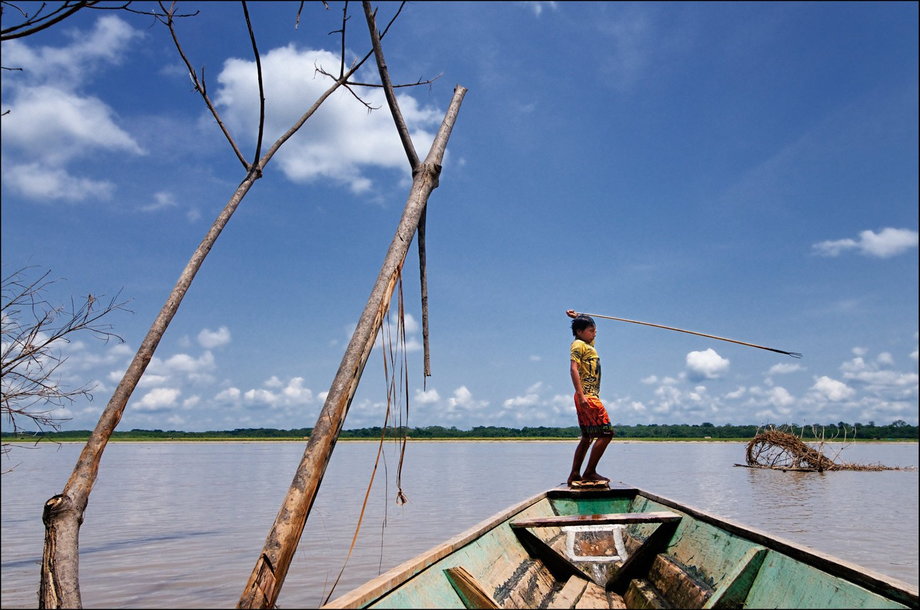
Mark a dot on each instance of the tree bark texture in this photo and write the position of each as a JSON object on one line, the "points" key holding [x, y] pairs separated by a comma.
{"points": [[264, 584]]}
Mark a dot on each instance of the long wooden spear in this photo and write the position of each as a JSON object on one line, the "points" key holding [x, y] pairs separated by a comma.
{"points": [[691, 332]]}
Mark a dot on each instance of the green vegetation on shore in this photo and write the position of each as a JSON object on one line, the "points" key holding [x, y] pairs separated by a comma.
{"points": [[897, 431]]}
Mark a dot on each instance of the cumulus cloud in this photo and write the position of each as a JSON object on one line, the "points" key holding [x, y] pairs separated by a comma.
{"points": [[43, 183], [275, 394], [231, 395], [158, 399], [530, 398], [52, 123], [707, 364], [884, 244], [462, 401], [183, 364], [878, 378], [780, 397], [341, 141], [427, 397], [69, 65], [831, 389], [210, 339], [784, 369]]}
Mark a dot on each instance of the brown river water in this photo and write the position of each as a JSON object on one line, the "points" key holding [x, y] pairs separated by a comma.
{"points": [[181, 525]]}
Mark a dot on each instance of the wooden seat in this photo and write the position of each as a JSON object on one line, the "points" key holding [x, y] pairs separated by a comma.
{"points": [[608, 519]]}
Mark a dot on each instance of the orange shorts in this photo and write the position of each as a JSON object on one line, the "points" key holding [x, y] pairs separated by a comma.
{"points": [[592, 418]]}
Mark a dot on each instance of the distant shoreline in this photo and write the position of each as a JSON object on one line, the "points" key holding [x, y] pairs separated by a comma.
{"points": [[449, 440]]}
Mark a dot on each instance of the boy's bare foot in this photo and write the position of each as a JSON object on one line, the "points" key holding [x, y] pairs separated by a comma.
{"points": [[594, 477], [572, 479]]}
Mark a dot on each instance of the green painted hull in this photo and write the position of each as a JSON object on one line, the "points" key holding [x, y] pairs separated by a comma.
{"points": [[623, 548]]}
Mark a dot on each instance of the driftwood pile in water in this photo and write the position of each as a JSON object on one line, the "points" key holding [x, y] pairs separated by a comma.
{"points": [[784, 451]]}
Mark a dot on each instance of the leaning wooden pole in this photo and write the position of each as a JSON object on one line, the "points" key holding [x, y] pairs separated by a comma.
{"points": [[264, 585]]}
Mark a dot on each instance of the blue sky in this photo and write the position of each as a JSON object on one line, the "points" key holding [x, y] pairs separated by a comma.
{"points": [[748, 170]]}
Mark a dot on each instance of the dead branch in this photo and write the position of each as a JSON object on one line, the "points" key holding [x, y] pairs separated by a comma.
{"points": [[33, 331], [404, 136], [39, 20], [258, 57], [779, 450], [167, 18]]}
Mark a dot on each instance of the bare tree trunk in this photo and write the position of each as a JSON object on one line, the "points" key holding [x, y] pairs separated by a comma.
{"points": [[264, 585], [63, 514]]}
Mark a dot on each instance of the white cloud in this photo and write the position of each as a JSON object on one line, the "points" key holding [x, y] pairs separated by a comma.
{"points": [[427, 397], [158, 399], [736, 394], [44, 183], [877, 380], [275, 394], [341, 140], [228, 395], [196, 369], [831, 389], [884, 244], [462, 401], [780, 397], [261, 395], [706, 364], [51, 124], [56, 126], [161, 200], [210, 339], [295, 393], [69, 65], [530, 398], [784, 369]]}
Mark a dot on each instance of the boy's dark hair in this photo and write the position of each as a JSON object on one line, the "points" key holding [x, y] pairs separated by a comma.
{"points": [[581, 322]]}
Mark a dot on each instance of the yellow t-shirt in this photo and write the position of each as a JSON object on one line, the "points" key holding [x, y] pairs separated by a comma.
{"points": [[589, 366]]}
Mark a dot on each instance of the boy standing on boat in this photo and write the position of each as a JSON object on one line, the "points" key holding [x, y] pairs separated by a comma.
{"points": [[585, 370]]}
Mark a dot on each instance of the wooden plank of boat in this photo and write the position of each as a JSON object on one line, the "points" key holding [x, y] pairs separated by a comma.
{"points": [[589, 484], [469, 589], [610, 519], [569, 594]]}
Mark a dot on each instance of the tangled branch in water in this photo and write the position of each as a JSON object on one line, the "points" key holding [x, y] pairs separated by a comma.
{"points": [[781, 450]]}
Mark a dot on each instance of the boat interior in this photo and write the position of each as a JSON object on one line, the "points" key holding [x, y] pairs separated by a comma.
{"points": [[619, 547]]}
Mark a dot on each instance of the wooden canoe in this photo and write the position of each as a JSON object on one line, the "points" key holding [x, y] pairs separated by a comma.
{"points": [[623, 548]]}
